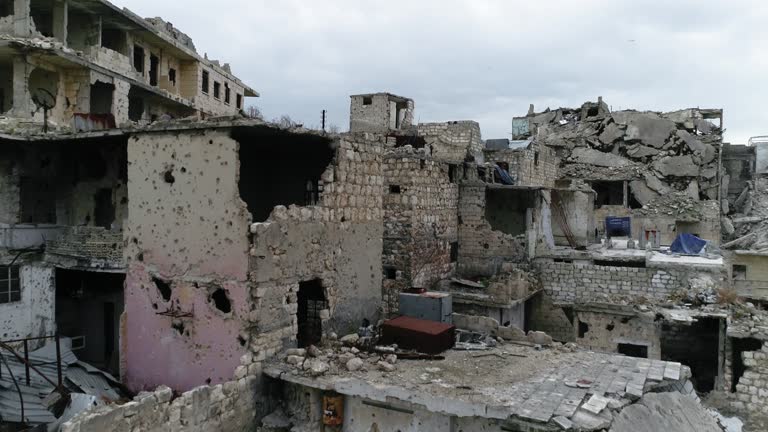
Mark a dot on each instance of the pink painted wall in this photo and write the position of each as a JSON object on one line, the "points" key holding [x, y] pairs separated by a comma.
{"points": [[155, 352], [193, 233]]}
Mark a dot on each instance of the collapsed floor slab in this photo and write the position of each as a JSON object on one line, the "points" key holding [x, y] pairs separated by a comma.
{"points": [[511, 384]]}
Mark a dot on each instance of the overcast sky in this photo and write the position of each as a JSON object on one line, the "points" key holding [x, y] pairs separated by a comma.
{"points": [[487, 60]]}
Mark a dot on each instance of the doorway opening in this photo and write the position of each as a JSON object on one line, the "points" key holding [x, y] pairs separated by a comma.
{"points": [[701, 357], [738, 348], [311, 300], [88, 309]]}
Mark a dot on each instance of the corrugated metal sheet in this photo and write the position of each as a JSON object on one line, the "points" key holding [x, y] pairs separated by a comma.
{"points": [[78, 377], [10, 404], [94, 384]]}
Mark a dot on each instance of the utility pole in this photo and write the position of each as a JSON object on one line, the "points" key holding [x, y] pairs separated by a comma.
{"points": [[324, 120]]}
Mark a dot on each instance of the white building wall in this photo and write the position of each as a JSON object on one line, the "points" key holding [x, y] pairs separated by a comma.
{"points": [[35, 314]]}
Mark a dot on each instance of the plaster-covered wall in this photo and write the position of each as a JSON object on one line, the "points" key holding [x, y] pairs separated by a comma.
{"points": [[187, 227], [34, 315], [605, 331]]}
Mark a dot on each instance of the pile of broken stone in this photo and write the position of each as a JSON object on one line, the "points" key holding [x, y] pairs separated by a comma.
{"points": [[661, 152], [336, 356], [746, 226], [747, 320]]}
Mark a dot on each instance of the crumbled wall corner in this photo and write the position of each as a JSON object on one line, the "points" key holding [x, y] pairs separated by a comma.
{"points": [[337, 242], [233, 405]]}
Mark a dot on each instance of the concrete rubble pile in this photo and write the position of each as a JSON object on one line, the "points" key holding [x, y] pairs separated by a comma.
{"points": [[747, 226], [659, 152]]}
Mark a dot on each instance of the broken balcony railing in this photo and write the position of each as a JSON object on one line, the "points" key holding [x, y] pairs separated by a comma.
{"points": [[29, 367]]}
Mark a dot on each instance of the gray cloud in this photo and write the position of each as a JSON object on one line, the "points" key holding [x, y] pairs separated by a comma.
{"points": [[487, 60]]}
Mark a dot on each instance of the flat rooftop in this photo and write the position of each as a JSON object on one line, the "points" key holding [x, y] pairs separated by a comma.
{"points": [[510, 382]]}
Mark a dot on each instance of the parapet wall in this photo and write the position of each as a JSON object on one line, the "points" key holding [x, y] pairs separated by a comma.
{"points": [[579, 283]]}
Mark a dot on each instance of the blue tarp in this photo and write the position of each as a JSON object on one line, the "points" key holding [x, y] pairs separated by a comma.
{"points": [[504, 176], [688, 244]]}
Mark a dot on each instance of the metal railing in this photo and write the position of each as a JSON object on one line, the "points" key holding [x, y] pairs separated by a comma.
{"points": [[28, 366]]}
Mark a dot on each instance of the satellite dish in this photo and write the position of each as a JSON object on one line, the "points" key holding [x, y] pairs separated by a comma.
{"points": [[46, 100]]}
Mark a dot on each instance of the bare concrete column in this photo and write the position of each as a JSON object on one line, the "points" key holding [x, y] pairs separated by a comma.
{"points": [[21, 96], [626, 194], [60, 20], [21, 18]]}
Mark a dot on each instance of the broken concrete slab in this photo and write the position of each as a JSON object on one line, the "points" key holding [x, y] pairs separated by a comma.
{"points": [[683, 117], [705, 152], [596, 404], [656, 184], [649, 129], [671, 411], [640, 151], [598, 158], [612, 133], [643, 194], [727, 226], [677, 166], [563, 422], [588, 421], [703, 126], [693, 189]]}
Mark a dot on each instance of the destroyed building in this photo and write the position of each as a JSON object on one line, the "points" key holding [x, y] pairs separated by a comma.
{"points": [[192, 269], [88, 65]]}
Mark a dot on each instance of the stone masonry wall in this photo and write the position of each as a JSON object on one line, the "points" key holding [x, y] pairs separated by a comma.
{"points": [[452, 141], [576, 283], [376, 116], [605, 331], [752, 387], [420, 214], [547, 317], [480, 245], [338, 242], [231, 406], [533, 166]]}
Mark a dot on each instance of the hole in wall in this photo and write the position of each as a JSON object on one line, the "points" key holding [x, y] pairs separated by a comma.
{"points": [[702, 357], [394, 189], [390, 273], [311, 300], [241, 340], [738, 348], [632, 350], [168, 176], [179, 327], [221, 301], [583, 329], [610, 327], [163, 287]]}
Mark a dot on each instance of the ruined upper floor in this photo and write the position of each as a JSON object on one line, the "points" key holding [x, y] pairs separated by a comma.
{"points": [[91, 65]]}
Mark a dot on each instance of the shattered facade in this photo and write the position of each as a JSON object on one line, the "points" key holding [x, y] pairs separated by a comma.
{"points": [[84, 65], [234, 274]]}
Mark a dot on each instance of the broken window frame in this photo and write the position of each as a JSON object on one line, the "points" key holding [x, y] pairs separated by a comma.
{"points": [[239, 101], [367, 100], [739, 272], [227, 94], [10, 284], [139, 66], [172, 76], [206, 84], [217, 90]]}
